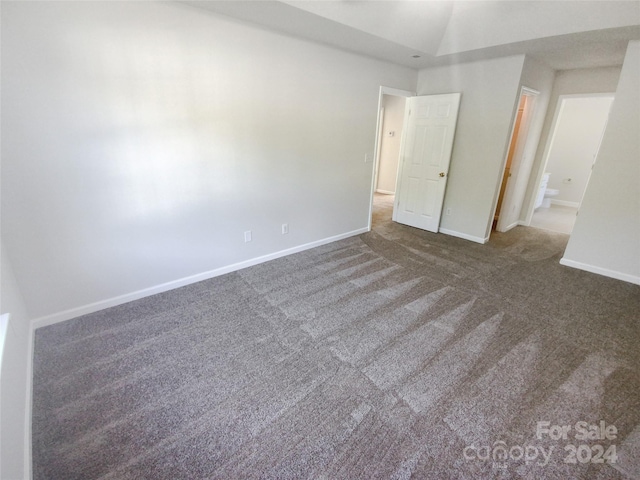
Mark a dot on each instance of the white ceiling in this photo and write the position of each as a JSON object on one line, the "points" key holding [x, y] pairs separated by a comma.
{"points": [[564, 34]]}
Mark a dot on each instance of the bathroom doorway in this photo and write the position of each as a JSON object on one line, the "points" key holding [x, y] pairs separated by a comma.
{"points": [[572, 150]]}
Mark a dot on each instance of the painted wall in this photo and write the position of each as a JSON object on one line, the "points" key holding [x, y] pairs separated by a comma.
{"points": [[490, 90], [13, 377], [586, 80], [606, 236], [577, 136], [390, 144], [568, 82], [140, 140]]}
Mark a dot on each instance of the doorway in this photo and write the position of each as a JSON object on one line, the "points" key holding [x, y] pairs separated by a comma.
{"points": [[514, 180], [571, 152], [425, 146], [391, 105], [507, 167]]}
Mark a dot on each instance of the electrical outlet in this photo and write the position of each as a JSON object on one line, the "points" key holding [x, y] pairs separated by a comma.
{"points": [[368, 157], [285, 228], [448, 211], [247, 236]]}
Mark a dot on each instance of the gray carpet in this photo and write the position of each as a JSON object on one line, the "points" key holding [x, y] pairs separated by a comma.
{"points": [[393, 355]]}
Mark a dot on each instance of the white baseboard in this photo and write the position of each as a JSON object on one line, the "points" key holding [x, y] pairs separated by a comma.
{"points": [[471, 238], [129, 297], [625, 277], [385, 192], [509, 227], [564, 203]]}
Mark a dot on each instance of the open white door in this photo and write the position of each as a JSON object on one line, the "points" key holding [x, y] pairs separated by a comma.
{"points": [[517, 179], [429, 127]]}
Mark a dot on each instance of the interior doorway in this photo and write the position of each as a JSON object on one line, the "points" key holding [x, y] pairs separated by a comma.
{"points": [[391, 105], [507, 167], [514, 180], [571, 152]]}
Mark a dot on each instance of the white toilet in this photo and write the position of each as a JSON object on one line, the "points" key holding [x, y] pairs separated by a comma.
{"points": [[543, 199]]}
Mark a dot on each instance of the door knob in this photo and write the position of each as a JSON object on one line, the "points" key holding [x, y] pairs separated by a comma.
{"points": [[441, 174]]}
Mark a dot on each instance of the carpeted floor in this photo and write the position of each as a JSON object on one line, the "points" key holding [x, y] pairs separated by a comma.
{"points": [[396, 354]]}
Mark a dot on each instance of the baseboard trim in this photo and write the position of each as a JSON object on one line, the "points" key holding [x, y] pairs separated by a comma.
{"points": [[129, 297], [625, 277], [465, 236], [385, 192], [509, 227], [564, 203]]}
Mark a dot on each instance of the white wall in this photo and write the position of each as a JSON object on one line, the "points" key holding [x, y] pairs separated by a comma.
{"points": [[13, 377], [585, 80], [490, 90], [567, 82], [140, 140], [606, 236], [576, 139], [390, 145]]}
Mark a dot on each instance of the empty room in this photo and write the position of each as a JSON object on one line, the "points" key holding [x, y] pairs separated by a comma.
{"points": [[307, 239]]}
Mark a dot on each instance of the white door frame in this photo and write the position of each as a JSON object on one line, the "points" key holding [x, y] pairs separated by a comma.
{"points": [[511, 190], [549, 143], [383, 91], [376, 168]]}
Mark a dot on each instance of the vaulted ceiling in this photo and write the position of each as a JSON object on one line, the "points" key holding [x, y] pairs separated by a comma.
{"points": [[564, 34]]}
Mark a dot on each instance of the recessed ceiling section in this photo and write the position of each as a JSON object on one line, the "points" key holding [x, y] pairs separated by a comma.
{"points": [[563, 34], [283, 18], [475, 25], [604, 48], [416, 24]]}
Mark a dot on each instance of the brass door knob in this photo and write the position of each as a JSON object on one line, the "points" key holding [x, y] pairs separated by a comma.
{"points": [[441, 174]]}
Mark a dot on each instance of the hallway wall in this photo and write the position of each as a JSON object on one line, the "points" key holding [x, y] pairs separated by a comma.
{"points": [[390, 144]]}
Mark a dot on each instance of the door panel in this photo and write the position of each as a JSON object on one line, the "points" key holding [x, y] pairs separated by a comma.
{"points": [[430, 123]]}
